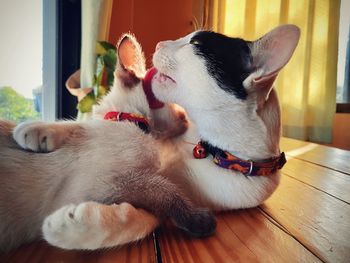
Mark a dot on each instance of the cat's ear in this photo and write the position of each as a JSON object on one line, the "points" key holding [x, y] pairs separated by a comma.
{"points": [[131, 60], [271, 53]]}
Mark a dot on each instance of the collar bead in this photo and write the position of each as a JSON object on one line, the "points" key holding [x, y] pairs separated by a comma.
{"points": [[199, 152]]}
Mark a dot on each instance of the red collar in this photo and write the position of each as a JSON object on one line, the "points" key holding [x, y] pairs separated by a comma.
{"points": [[229, 161], [139, 120], [153, 103], [147, 88]]}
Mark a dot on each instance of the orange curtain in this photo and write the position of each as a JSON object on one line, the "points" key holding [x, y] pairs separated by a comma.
{"points": [[307, 85]]}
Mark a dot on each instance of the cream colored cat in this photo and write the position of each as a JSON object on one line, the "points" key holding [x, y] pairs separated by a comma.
{"points": [[74, 193], [226, 87]]}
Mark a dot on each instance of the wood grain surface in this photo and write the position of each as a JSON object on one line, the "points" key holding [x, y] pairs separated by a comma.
{"points": [[241, 236], [329, 181], [329, 157], [307, 219], [317, 220], [41, 252]]}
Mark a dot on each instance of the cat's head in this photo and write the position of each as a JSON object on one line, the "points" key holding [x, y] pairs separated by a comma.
{"points": [[198, 68], [215, 76], [132, 93]]}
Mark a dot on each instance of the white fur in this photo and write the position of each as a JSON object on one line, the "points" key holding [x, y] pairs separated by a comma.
{"points": [[240, 127], [92, 225], [219, 118], [249, 129], [69, 226], [38, 138]]}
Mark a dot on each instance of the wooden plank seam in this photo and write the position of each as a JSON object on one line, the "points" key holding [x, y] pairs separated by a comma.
{"points": [[157, 251], [324, 166], [316, 188], [280, 226]]}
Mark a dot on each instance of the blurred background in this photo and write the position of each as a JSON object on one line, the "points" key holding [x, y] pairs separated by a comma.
{"points": [[43, 42]]}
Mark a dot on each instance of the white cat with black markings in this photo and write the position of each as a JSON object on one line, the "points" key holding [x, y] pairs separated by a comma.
{"points": [[226, 87]]}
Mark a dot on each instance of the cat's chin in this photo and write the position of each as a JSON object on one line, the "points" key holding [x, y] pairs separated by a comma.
{"points": [[162, 86], [162, 90]]}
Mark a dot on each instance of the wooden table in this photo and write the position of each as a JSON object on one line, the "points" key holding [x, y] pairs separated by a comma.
{"points": [[306, 220]]}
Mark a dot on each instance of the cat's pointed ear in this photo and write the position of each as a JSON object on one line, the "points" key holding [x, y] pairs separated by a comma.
{"points": [[272, 52], [130, 55]]}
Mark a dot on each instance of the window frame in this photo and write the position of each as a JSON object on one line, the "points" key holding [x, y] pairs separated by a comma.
{"points": [[61, 57], [49, 103], [69, 51], [344, 105]]}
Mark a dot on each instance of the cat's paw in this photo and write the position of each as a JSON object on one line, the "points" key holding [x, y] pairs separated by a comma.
{"points": [[37, 136], [91, 225], [170, 121], [181, 122], [74, 227]]}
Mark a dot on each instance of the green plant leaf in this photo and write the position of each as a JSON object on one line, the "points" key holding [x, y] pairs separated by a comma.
{"points": [[102, 47], [110, 59], [102, 91], [85, 105], [105, 66]]}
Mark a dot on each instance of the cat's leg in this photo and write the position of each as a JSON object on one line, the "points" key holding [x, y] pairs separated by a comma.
{"points": [[6, 127], [92, 225], [164, 199], [40, 136]]}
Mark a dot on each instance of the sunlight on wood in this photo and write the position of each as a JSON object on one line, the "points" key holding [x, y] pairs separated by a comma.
{"points": [[299, 151]]}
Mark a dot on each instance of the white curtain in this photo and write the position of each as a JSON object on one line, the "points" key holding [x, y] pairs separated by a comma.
{"points": [[96, 16]]}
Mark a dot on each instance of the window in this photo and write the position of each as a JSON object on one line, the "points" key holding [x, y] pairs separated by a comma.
{"points": [[21, 52], [39, 49]]}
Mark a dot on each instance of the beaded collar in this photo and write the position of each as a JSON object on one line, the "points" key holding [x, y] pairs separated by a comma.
{"points": [[139, 120], [227, 160]]}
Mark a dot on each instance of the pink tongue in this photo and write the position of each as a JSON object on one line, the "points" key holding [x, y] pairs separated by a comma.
{"points": [[147, 87]]}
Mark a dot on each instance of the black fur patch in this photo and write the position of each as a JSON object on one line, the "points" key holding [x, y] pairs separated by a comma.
{"points": [[228, 60]]}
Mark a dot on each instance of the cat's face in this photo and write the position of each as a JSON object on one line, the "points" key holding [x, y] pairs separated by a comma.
{"points": [[206, 70], [191, 68]]}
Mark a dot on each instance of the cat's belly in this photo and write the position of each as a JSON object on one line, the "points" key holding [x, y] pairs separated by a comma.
{"points": [[222, 189], [219, 188]]}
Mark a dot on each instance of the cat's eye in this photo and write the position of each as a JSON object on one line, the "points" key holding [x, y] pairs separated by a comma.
{"points": [[195, 42]]}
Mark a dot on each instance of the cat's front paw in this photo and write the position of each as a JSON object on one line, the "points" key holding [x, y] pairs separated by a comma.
{"points": [[170, 121], [74, 227], [36, 136], [181, 122], [91, 225]]}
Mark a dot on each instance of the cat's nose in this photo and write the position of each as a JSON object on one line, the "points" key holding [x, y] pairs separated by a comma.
{"points": [[159, 45]]}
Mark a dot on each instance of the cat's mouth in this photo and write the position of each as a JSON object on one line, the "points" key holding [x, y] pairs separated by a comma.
{"points": [[162, 78]]}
